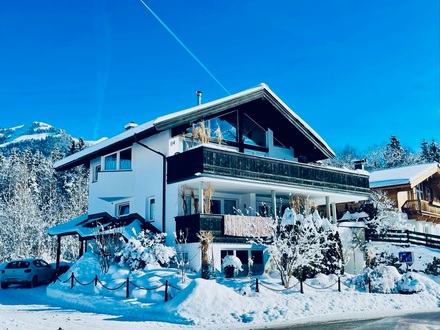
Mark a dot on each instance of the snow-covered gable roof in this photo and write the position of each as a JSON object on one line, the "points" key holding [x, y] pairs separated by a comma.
{"points": [[406, 175], [310, 139], [262, 91]]}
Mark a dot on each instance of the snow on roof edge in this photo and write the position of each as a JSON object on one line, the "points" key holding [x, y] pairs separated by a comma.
{"points": [[105, 143]]}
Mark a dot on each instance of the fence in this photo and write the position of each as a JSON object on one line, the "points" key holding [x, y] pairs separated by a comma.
{"points": [[404, 236], [258, 283], [72, 279]]}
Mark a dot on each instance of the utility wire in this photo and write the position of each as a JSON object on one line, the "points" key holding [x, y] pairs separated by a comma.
{"points": [[184, 46]]}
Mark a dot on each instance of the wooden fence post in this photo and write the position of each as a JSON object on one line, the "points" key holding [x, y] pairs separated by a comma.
{"points": [[96, 280], [257, 289], [369, 285], [301, 286], [127, 289], [339, 283], [72, 278]]}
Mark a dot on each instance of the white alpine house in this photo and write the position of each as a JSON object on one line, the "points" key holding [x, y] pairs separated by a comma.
{"points": [[227, 166]]}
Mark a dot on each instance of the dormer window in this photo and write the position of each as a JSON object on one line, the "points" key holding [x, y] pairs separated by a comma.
{"points": [[118, 161]]}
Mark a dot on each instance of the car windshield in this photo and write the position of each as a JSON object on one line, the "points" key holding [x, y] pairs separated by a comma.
{"points": [[17, 264]]}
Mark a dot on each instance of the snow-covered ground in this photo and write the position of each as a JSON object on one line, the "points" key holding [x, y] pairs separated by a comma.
{"points": [[201, 304]]}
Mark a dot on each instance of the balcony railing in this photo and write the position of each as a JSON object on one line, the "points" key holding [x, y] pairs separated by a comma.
{"points": [[230, 164], [225, 228], [418, 208]]}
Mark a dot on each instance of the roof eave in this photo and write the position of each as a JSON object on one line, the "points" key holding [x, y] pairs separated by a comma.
{"points": [[115, 143]]}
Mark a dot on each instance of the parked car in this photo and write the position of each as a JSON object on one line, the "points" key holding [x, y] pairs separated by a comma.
{"points": [[27, 271]]}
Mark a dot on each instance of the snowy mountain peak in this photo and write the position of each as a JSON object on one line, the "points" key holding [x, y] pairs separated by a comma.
{"points": [[36, 130], [35, 136]]}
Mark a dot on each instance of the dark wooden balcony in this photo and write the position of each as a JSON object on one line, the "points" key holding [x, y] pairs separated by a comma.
{"points": [[230, 164], [418, 209], [225, 228]]}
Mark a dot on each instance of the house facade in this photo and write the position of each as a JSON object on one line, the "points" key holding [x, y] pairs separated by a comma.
{"points": [[227, 166], [416, 191]]}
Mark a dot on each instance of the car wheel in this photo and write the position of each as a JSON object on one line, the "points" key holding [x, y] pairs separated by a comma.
{"points": [[4, 285], [34, 282]]}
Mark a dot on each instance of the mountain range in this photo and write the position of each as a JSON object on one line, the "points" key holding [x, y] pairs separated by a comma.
{"points": [[36, 136]]}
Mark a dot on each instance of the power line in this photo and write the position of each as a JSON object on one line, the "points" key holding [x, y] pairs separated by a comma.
{"points": [[184, 46]]}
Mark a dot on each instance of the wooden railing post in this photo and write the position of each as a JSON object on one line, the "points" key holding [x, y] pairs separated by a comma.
{"points": [[127, 289], [257, 289], [339, 283], [166, 290], [72, 279]]}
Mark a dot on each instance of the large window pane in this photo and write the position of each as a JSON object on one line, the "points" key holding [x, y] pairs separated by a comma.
{"points": [[110, 162], [125, 159], [227, 125], [230, 206], [253, 134]]}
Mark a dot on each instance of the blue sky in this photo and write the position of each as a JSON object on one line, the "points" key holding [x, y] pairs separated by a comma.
{"points": [[356, 71]]}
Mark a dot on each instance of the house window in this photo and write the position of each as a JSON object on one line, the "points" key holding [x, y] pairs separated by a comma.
{"points": [[216, 206], [151, 209], [230, 206], [253, 133], [122, 209], [96, 170], [110, 162], [118, 161], [125, 159]]}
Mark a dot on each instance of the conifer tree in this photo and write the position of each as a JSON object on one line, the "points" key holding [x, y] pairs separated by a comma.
{"points": [[394, 153]]}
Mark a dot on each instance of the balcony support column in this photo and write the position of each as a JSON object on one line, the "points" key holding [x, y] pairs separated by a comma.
{"points": [[274, 203], [327, 207], [201, 206], [334, 213]]}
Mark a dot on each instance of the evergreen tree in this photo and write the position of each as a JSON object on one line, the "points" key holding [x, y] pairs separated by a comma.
{"points": [[394, 153], [434, 152], [424, 153]]}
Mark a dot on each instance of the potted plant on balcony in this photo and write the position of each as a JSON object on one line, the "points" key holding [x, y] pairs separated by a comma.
{"points": [[182, 195], [231, 264]]}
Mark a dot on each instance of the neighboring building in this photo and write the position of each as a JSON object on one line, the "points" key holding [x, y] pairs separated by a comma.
{"points": [[416, 191], [190, 171]]}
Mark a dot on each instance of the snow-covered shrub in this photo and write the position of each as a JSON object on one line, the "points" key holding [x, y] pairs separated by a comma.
{"points": [[382, 258], [231, 264], [408, 284], [433, 268], [383, 279], [146, 249]]}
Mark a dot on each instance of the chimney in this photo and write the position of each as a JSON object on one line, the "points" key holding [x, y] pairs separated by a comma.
{"points": [[359, 164], [199, 97], [130, 125]]}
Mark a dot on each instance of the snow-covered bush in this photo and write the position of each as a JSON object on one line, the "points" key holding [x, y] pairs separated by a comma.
{"points": [[146, 249], [385, 258], [408, 284], [433, 268], [231, 264], [383, 279]]}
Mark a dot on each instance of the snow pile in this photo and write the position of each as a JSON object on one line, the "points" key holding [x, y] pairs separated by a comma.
{"points": [[234, 302]]}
